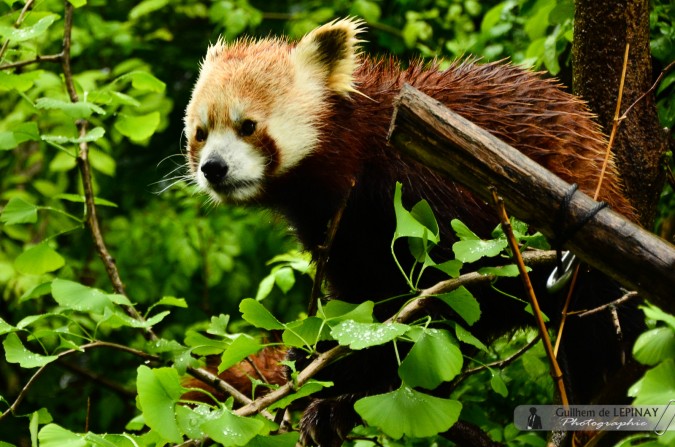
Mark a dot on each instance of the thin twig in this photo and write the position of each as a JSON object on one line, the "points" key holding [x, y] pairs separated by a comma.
{"points": [[615, 126], [499, 364], [543, 331], [404, 315], [92, 345], [324, 252], [615, 123], [37, 60], [224, 387], [531, 258], [310, 371], [584, 313], [85, 173], [99, 379], [651, 89], [566, 306]]}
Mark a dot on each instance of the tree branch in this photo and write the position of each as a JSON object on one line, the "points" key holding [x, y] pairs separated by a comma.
{"points": [[433, 135], [92, 345], [556, 372], [324, 251], [37, 60], [86, 176]]}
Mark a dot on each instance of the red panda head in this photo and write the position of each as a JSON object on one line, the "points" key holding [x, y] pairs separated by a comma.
{"points": [[256, 110]]}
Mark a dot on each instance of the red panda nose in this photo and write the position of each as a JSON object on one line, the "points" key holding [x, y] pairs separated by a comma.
{"points": [[214, 169]]}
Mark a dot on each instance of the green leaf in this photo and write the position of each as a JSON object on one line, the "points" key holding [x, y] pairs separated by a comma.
{"points": [[75, 296], [77, 3], [37, 418], [656, 386], [265, 287], [142, 80], [240, 348], [172, 301], [498, 385], [62, 162], [284, 278], [655, 346], [19, 82], [102, 162], [53, 435], [463, 303], [74, 110], [146, 7], [15, 352], [462, 231], [20, 133], [310, 387], [39, 259], [158, 392], [305, 332], [336, 311], [290, 439], [25, 33], [137, 127], [423, 214], [473, 250], [363, 335], [30, 319], [18, 211], [232, 430], [537, 24], [467, 337], [80, 199], [202, 345], [256, 314], [5, 327], [435, 358], [409, 412], [190, 419], [450, 268], [91, 136], [654, 313], [407, 223], [218, 325], [551, 54], [510, 270], [369, 10]]}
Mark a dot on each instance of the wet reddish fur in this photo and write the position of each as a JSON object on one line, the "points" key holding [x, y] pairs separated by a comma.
{"points": [[239, 376], [533, 115]]}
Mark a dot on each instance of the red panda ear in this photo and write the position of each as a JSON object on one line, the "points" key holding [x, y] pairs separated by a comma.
{"points": [[332, 50]]}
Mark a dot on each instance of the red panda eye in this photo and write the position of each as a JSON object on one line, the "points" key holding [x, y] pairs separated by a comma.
{"points": [[200, 135], [247, 128]]}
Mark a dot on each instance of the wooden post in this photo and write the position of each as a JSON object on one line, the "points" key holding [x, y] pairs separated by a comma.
{"points": [[426, 130]]}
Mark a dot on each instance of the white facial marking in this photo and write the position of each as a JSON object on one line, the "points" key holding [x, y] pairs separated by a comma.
{"points": [[245, 166]]}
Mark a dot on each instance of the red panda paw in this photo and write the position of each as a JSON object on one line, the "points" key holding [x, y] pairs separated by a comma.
{"points": [[327, 422]]}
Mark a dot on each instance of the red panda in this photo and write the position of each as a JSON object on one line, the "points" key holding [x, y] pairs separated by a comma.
{"points": [[301, 127]]}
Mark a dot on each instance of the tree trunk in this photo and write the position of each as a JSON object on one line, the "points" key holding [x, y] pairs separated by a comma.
{"points": [[602, 28]]}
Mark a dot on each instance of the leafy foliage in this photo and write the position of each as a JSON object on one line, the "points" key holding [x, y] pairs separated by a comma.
{"points": [[186, 267]]}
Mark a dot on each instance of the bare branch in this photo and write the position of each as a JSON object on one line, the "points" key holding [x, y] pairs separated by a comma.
{"points": [[92, 345], [556, 372], [499, 364], [222, 386], [37, 60], [324, 251], [85, 173], [627, 297]]}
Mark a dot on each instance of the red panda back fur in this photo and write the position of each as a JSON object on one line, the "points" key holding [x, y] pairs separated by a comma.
{"points": [[301, 127]]}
